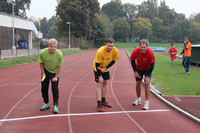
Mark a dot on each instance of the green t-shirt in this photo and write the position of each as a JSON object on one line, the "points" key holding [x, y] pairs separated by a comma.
{"points": [[51, 61]]}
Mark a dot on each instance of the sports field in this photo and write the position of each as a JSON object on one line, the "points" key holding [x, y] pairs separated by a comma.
{"points": [[21, 96]]}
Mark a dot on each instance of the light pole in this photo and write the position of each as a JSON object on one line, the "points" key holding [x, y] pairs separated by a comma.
{"points": [[69, 34], [13, 47]]}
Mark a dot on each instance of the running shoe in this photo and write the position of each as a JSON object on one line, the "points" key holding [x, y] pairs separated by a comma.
{"points": [[105, 104], [100, 109], [187, 72], [146, 107], [55, 109], [46, 106], [137, 102], [173, 67]]}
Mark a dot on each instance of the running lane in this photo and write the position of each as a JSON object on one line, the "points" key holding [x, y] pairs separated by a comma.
{"points": [[21, 98]]}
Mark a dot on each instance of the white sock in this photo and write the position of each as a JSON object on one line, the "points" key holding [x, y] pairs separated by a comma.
{"points": [[139, 98], [146, 102]]}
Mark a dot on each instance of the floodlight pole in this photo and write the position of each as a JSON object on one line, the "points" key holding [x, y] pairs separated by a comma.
{"points": [[13, 47], [69, 34]]}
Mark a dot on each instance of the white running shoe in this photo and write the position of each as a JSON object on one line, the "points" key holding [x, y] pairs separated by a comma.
{"points": [[137, 102], [146, 107]]}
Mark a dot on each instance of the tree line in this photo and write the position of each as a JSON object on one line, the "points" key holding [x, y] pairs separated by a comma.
{"points": [[122, 22]]}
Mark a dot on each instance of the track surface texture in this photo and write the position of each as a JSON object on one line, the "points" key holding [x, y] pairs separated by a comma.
{"points": [[21, 100]]}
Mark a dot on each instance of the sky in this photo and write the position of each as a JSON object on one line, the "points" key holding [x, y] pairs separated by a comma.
{"points": [[46, 8]]}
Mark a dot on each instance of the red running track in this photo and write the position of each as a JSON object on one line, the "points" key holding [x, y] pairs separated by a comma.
{"points": [[21, 100]]}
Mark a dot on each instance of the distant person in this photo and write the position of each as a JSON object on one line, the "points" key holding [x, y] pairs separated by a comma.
{"points": [[187, 54], [144, 65], [105, 57], [172, 52], [51, 60]]}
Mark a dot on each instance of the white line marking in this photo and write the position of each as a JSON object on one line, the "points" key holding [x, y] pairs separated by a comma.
{"points": [[17, 79], [83, 114], [17, 104], [178, 99], [30, 91], [120, 104], [69, 100]]}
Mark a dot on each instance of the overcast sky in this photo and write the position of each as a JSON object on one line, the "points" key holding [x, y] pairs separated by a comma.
{"points": [[46, 8]]}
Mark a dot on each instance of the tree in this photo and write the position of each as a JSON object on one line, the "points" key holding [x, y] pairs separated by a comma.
{"points": [[142, 27], [121, 29], [113, 10], [169, 16], [104, 30], [181, 29], [130, 12], [147, 9], [81, 14], [197, 18], [158, 29], [52, 30], [20, 7], [194, 32], [44, 26]]}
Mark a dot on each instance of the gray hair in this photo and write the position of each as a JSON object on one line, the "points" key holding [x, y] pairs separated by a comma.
{"points": [[145, 41]]}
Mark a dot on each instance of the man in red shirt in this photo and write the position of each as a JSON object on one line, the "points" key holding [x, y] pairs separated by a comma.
{"points": [[144, 65], [172, 52]]}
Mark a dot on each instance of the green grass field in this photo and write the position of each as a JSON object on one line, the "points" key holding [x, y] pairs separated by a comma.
{"points": [[173, 81], [133, 45], [6, 63]]}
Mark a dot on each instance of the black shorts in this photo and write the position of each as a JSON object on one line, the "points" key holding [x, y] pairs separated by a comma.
{"points": [[142, 73], [105, 75]]}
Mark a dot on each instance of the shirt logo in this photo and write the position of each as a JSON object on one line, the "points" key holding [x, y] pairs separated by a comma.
{"points": [[142, 59]]}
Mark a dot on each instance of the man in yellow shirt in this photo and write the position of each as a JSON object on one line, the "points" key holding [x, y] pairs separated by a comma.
{"points": [[104, 59], [187, 54]]}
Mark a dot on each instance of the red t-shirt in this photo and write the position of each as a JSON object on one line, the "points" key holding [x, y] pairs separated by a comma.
{"points": [[143, 60], [173, 50]]}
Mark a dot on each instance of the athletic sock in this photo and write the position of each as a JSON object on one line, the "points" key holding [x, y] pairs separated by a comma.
{"points": [[99, 103], [103, 99], [139, 98], [146, 102]]}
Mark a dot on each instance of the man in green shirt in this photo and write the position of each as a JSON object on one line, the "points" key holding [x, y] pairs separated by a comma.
{"points": [[51, 60]]}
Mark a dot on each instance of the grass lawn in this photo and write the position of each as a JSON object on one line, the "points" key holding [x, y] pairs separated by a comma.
{"points": [[133, 45], [6, 63], [173, 81]]}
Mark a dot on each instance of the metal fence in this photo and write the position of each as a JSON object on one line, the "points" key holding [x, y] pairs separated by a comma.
{"points": [[6, 43]]}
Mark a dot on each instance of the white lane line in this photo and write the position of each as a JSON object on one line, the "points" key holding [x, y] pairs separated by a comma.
{"points": [[121, 105], [178, 99], [18, 79], [17, 104], [69, 100], [83, 114], [17, 71], [31, 91]]}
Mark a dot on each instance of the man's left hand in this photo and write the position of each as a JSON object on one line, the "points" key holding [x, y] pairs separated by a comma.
{"points": [[54, 79]]}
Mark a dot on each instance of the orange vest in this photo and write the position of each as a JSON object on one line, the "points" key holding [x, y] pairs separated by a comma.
{"points": [[187, 52]]}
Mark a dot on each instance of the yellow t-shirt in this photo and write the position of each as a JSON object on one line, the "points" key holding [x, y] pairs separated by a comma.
{"points": [[104, 57]]}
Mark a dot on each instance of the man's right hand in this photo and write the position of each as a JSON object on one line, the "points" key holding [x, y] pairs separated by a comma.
{"points": [[136, 73]]}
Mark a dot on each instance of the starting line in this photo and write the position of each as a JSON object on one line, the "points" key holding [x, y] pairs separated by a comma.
{"points": [[83, 114]]}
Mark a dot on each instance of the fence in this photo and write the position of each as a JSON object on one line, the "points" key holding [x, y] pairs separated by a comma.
{"points": [[21, 36]]}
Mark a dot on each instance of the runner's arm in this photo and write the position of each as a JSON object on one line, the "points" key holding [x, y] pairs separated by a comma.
{"points": [[185, 46], [133, 65], [110, 64], [98, 65], [150, 69], [182, 52]]}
